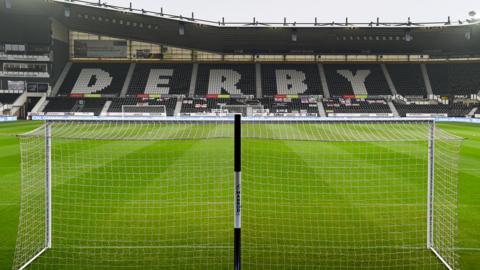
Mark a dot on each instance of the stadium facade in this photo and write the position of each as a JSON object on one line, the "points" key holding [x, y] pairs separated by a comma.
{"points": [[81, 58]]}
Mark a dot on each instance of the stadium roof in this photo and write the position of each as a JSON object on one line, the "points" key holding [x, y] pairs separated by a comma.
{"points": [[433, 38], [255, 23]]}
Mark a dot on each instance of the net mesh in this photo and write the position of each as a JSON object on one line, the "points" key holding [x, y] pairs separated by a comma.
{"points": [[121, 202], [315, 195], [347, 196]]}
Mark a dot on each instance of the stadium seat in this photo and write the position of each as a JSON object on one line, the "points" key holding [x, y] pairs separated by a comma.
{"points": [[356, 106], [161, 79], [65, 105], [359, 80], [227, 79], [8, 98], [404, 109], [118, 103], [291, 79], [94, 78], [454, 79], [407, 79]]}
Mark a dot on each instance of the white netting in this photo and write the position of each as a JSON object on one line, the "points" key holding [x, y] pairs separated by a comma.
{"points": [[347, 196], [316, 195], [128, 204]]}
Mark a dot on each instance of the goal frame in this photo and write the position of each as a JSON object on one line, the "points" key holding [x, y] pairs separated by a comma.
{"points": [[236, 179]]}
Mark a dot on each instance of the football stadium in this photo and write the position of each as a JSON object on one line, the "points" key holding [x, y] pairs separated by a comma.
{"points": [[137, 139]]}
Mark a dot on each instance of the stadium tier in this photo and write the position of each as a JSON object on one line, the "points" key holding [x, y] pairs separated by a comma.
{"points": [[71, 105], [7, 98], [271, 89], [453, 110], [286, 79], [356, 80], [225, 80], [407, 79], [94, 78], [353, 106], [291, 79], [405, 110], [160, 79], [202, 106], [455, 79], [298, 106], [118, 105]]}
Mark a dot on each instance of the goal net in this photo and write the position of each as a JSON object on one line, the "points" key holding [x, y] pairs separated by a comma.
{"points": [[349, 195], [315, 195], [144, 110]]}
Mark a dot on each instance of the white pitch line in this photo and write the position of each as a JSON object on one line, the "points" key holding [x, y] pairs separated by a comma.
{"points": [[8, 204], [142, 247], [262, 246], [468, 249]]}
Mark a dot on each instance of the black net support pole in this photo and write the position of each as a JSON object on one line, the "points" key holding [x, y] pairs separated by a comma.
{"points": [[238, 189]]}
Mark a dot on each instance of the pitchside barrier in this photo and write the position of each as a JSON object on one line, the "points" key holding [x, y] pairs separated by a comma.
{"points": [[300, 193], [266, 118], [8, 118]]}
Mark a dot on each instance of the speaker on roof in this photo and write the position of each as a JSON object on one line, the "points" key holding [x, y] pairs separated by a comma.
{"points": [[294, 35], [67, 12], [468, 34], [181, 29], [408, 35]]}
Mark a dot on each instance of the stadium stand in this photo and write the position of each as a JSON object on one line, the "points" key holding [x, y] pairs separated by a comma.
{"points": [[406, 109], [31, 103], [407, 79], [194, 106], [65, 104], [276, 107], [305, 105], [215, 81], [59, 104], [356, 80], [8, 98], [356, 106], [94, 105], [460, 109], [455, 79], [169, 103], [94, 78], [225, 79], [161, 79], [215, 105], [118, 103], [286, 105], [291, 79]]}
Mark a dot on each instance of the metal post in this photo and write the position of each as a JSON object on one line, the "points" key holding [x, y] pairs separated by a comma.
{"points": [[237, 191], [48, 185], [431, 164]]}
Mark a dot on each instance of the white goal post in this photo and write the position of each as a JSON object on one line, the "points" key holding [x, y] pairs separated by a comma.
{"points": [[174, 193]]}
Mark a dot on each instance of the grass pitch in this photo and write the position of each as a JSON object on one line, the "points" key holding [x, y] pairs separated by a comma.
{"points": [[276, 217]]}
